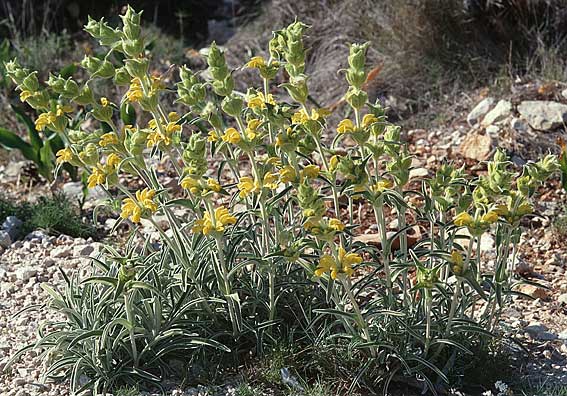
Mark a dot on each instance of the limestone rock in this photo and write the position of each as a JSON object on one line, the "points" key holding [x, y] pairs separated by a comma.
{"points": [[498, 114], [543, 115], [480, 111], [476, 146]]}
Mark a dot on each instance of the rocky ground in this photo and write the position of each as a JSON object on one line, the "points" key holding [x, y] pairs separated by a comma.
{"points": [[527, 124]]}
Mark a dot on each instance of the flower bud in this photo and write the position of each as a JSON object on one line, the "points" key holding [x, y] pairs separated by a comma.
{"points": [[133, 48], [210, 114], [100, 30], [356, 98], [297, 88], [137, 142], [106, 70], [56, 83], [40, 100], [30, 82], [85, 96], [15, 71], [137, 68], [102, 113], [91, 64], [232, 105], [122, 77], [89, 155], [131, 20], [70, 89]]}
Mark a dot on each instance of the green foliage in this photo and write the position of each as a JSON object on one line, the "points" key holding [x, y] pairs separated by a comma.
{"points": [[266, 253], [38, 150], [55, 215]]}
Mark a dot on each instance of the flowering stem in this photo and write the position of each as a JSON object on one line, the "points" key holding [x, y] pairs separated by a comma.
{"points": [[360, 319], [333, 186], [226, 286], [381, 223], [403, 245], [454, 302], [131, 320], [428, 305]]}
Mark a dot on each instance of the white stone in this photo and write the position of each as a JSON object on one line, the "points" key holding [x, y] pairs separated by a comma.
{"points": [[61, 252], [498, 114], [25, 273], [83, 250], [5, 240], [480, 111], [543, 115]]}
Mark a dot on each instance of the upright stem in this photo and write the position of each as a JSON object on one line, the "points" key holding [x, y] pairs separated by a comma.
{"points": [[428, 305], [360, 319], [454, 303], [381, 223]]}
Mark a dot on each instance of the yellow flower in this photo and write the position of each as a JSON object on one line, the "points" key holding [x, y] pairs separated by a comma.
{"points": [[25, 95], [343, 265], [213, 137], [368, 120], [252, 128], [300, 117], [64, 155], [231, 135], [463, 219], [156, 137], [44, 119], [206, 225], [108, 139], [131, 209], [457, 263], [96, 177], [276, 161], [258, 101], [213, 185], [172, 127], [247, 185], [191, 184], [490, 217], [173, 116], [382, 185], [310, 171], [146, 199], [345, 126], [104, 102], [334, 162], [256, 62], [336, 225], [271, 180], [113, 160], [135, 93], [287, 174], [347, 260], [327, 264], [61, 110]]}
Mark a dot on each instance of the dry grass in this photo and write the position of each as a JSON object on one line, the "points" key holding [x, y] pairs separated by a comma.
{"points": [[429, 49]]}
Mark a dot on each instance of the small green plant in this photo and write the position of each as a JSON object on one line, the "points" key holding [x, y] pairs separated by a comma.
{"points": [[245, 389], [267, 250], [128, 391], [55, 215]]}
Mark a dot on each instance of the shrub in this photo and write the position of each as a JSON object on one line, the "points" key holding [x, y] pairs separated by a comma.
{"points": [[266, 253]]}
